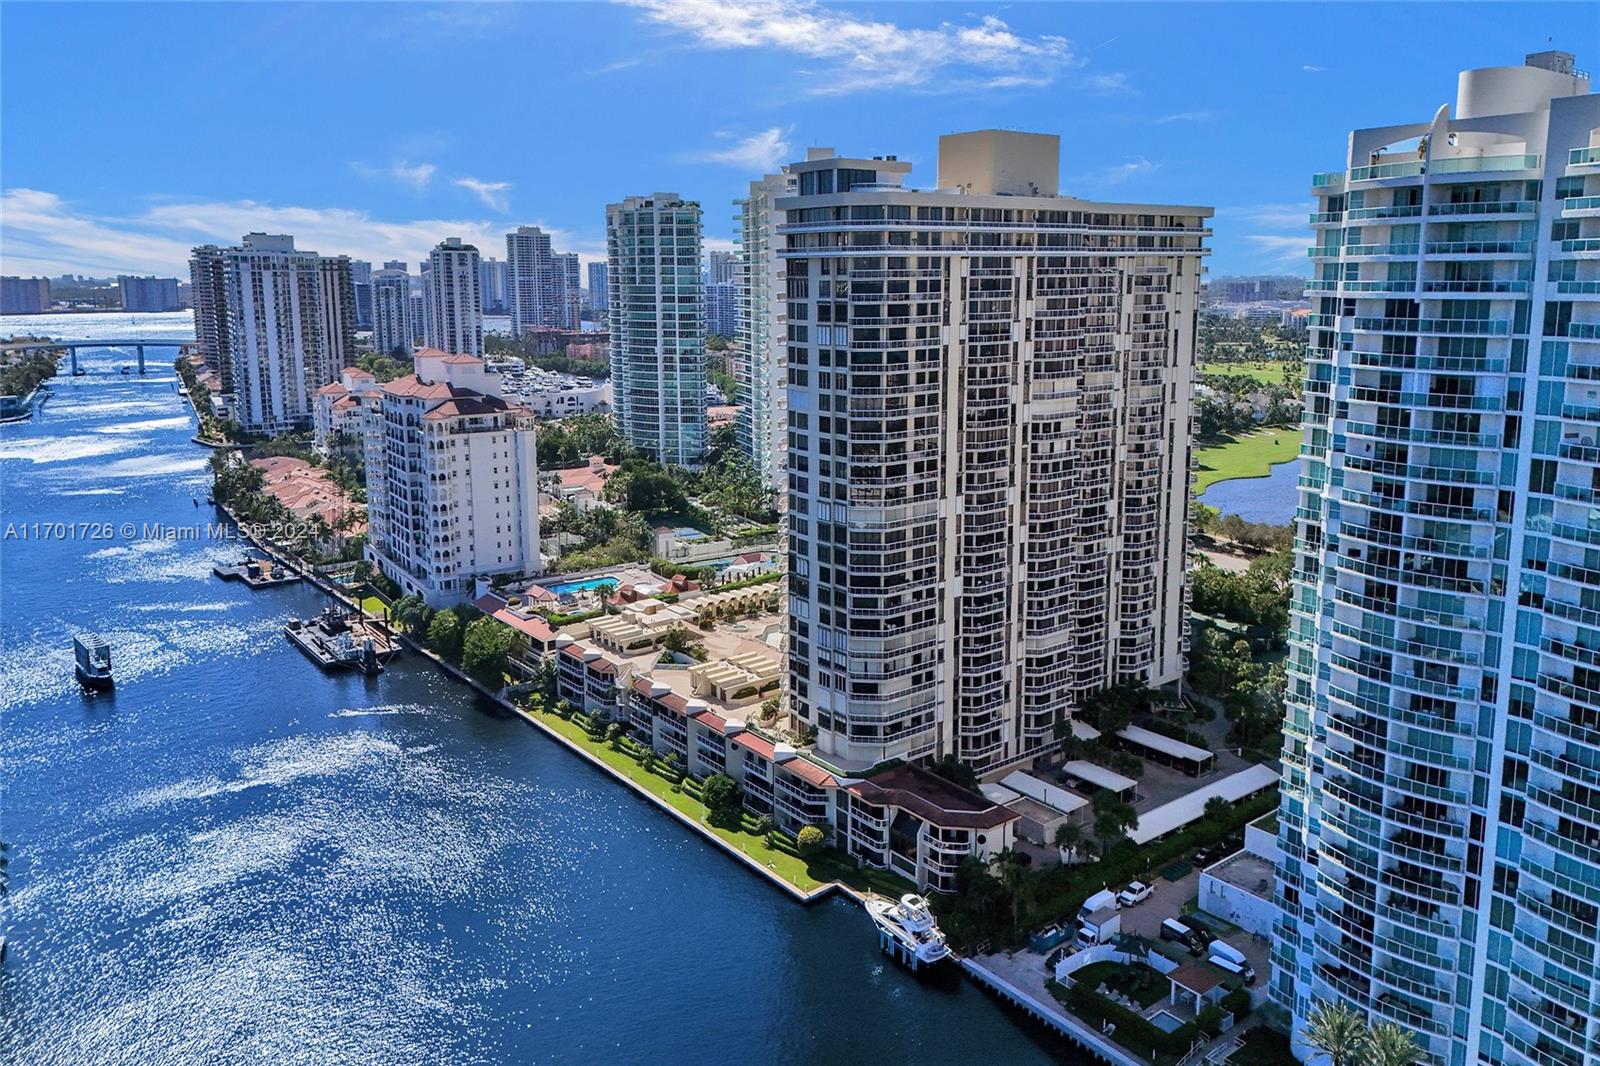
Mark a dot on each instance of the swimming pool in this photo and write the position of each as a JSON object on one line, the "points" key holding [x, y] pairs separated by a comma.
{"points": [[568, 588], [1167, 1023]]}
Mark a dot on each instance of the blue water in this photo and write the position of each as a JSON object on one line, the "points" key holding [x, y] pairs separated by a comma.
{"points": [[567, 588], [234, 858], [1271, 499]]}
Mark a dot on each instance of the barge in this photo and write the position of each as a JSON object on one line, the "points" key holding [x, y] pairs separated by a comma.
{"points": [[257, 573], [335, 640]]}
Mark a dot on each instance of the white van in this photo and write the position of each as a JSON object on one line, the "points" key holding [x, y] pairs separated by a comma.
{"points": [[1231, 959]]}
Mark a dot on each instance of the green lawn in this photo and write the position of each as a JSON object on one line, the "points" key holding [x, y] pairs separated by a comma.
{"points": [[1262, 1047], [805, 874], [1141, 983], [373, 605], [1265, 371], [1252, 455]]}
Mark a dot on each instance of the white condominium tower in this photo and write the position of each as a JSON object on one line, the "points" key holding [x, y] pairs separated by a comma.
{"points": [[452, 481], [657, 321], [541, 285], [454, 304], [757, 357], [278, 340], [208, 288], [336, 279], [1440, 821], [988, 448], [391, 309]]}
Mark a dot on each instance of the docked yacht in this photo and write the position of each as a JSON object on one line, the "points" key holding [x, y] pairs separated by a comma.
{"points": [[906, 930]]}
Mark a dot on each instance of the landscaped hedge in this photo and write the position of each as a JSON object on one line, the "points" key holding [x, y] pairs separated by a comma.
{"points": [[1132, 1032]]}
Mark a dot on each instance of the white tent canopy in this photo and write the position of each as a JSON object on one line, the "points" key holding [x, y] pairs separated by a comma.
{"points": [[1147, 738], [1044, 792], [1185, 809]]}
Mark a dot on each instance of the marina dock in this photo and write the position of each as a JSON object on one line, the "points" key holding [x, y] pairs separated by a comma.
{"points": [[257, 573], [341, 640]]}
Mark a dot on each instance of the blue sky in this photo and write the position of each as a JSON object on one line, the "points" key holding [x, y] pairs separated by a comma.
{"points": [[132, 131]]}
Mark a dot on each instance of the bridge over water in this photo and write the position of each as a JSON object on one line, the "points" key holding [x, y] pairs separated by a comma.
{"points": [[139, 344]]}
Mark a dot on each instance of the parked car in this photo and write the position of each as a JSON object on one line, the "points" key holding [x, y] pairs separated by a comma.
{"points": [[1179, 933], [1137, 892]]}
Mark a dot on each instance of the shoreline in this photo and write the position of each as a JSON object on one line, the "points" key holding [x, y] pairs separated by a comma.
{"points": [[1058, 1023], [796, 893]]}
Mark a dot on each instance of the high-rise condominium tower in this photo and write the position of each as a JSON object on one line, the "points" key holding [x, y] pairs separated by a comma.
{"points": [[278, 340], [988, 448], [721, 268], [492, 286], [391, 308], [452, 480], [599, 289], [208, 287], [454, 303], [361, 281], [757, 357], [1440, 821], [568, 291], [542, 285], [658, 365], [338, 305]]}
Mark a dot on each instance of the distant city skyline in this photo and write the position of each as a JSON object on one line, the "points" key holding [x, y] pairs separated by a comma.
{"points": [[1155, 102]]}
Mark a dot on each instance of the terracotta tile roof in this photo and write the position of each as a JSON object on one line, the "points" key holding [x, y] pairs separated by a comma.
{"points": [[806, 770], [711, 720], [760, 745], [1198, 977], [535, 627], [459, 359], [932, 798], [355, 372], [333, 388], [670, 700], [466, 405]]}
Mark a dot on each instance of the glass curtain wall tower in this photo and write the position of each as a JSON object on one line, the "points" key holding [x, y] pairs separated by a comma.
{"points": [[1440, 822]]}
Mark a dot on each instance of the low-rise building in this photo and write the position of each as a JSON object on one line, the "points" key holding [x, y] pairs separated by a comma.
{"points": [[921, 826]]}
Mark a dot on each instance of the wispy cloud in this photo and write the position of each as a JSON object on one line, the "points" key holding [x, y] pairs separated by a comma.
{"points": [[760, 152], [414, 175], [1281, 248], [864, 53], [1120, 172], [1184, 116], [494, 194], [1277, 216], [42, 233], [1309, 69]]}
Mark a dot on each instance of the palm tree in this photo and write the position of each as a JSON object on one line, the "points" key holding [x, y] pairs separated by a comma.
{"points": [[1389, 1044], [1014, 875], [1337, 1030]]}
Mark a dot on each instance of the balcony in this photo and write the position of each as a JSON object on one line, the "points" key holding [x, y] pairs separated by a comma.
{"points": [[1473, 327]]}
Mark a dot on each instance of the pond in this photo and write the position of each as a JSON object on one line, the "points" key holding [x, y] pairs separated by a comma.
{"points": [[1270, 499]]}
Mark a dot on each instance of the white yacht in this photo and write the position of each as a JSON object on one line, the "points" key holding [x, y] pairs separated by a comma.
{"points": [[906, 930]]}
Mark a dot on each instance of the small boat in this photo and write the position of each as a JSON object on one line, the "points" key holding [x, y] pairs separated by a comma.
{"points": [[93, 661], [907, 931]]}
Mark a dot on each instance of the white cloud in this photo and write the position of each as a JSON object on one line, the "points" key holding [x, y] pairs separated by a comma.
{"points": [[1309, 69], [492, 193], [1184, 116], [1121, 172], [1280, 248], [761, 152], [41, 233], [416, 175], [866, 53], [1285, 216]]}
